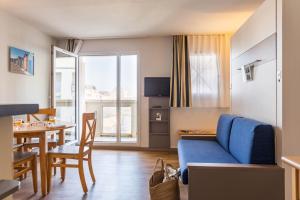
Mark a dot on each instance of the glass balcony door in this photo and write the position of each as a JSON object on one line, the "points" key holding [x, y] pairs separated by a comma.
{"points": [[100, 94], [109, 86], [64, 89], [128, 98]]}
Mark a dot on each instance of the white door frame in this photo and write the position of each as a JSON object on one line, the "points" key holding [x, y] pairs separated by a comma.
{"points": [[54, 50]]}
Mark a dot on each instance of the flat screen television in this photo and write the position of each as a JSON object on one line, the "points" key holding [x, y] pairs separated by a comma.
{"points": [[157, 87]]}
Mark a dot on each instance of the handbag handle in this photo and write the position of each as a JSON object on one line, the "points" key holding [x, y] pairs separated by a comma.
{"points": [[162, 164]]}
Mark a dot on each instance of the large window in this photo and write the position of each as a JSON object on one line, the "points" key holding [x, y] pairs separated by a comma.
{"points": [[110, 89], [210, 70], [204, 79]]}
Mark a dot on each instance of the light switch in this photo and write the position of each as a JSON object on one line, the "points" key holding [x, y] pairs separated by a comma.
{"points": [[279, 75]]}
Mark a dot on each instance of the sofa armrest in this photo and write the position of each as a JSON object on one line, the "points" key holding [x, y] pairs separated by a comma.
{"points": [[235, 182]]}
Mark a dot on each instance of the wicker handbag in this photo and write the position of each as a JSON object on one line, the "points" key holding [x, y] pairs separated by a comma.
{"points": [[161, 186]]}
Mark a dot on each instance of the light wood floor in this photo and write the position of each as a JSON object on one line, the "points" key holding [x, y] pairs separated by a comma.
{"points": [[120, 175]]}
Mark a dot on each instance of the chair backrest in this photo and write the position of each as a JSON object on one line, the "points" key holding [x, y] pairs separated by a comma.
{"points": [[88, 131], [46, 113]]}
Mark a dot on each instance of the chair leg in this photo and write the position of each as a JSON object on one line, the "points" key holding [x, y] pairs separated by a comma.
{"points": [[54, 171], [34, 173], [54, 168], [63, 170], [49, 172], [81, 175], [91, 167], [50, 147], [25, 174], [22, 141]]}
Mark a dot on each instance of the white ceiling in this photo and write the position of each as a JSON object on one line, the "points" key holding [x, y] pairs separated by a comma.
{"points": [[131, 18]]}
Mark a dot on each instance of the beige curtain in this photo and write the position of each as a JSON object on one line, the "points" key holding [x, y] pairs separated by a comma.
{"points": [[210, 70], [181, 77], [73, 45]]}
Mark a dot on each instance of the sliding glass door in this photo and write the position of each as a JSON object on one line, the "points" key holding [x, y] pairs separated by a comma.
{"points": [[99, 79], [128, 98], [109, 86]]}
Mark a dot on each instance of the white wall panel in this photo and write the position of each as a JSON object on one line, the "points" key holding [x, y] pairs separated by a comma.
{"points": [[258, 27], [256, 40], [256, 99]]}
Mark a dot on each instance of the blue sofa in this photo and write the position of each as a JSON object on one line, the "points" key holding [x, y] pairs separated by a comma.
{"points": [[238, 140]]}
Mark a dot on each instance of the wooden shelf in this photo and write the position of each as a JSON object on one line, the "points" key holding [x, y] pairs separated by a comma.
{"points": [[153, 133], [159, 130], [162, 108], [159, 121]]}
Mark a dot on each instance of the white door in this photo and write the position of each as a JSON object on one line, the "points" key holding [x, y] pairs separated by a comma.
{"points": [[64, 92]]}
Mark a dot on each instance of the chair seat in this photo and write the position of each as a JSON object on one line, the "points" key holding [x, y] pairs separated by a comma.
{"points": [[67, 150], [22, 156]]}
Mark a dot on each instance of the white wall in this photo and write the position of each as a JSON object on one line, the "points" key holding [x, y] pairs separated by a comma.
{"points": [[290, 87], [291, 80], [155, 59], [194, 118], [16, 88], [258, 27], [256, 99], [259, 99]]}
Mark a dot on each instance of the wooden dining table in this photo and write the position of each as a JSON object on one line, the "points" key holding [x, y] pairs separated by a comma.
{"points": [[41, 132]]}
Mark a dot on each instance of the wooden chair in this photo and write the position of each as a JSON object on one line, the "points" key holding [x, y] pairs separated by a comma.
{"points": [[42, 115], [21, 167], [81, 153], [46, 113]]}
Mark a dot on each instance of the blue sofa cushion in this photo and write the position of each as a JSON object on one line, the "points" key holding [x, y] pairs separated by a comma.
{"points": [[200, 151], [252, 142], [224, 129]]}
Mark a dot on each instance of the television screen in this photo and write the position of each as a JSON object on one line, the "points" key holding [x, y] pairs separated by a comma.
{"points": [[157, 87]]}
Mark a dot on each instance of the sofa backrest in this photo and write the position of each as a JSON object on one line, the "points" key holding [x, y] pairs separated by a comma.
{"points": [[224, 129], [252, 142]]}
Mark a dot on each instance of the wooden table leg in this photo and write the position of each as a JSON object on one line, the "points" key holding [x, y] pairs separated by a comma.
{"points": [[19, 141], [43, 162], [61, 137]]}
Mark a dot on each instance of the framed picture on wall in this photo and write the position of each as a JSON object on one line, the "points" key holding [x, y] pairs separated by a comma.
{"points": [[21, 61]]}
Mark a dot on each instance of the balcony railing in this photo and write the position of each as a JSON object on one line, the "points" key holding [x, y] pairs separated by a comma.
{"points": [[106, 116]]}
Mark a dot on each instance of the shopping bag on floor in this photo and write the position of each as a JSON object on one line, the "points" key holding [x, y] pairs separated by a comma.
{"points": [[163, 184]]}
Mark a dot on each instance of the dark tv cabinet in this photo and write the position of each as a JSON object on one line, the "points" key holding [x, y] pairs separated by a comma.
{"points": [[159, 129]]}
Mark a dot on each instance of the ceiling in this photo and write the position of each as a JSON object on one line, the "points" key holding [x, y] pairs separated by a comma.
{"points": [[131, 18]]}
